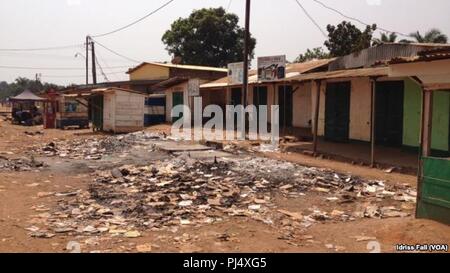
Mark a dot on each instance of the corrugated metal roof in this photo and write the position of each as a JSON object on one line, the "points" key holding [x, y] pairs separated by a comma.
{"points": [[179, 66], [76, 95], [292, 70], [297, 77], [77, 88], [380, 54], [113, 89], [349, 73], [424, 56], [307, 66], [171, 82]]}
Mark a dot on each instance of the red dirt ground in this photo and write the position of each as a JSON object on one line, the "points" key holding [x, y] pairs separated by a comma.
{"points": [[19, 193]]}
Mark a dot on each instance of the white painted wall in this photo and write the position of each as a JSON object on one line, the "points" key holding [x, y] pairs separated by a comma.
{"points": [[108, 111], [123, 111], [129, 111]]}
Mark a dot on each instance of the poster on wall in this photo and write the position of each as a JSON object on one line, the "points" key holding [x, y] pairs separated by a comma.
{"points": [[271, 68], [236, 73], [194, 87]]}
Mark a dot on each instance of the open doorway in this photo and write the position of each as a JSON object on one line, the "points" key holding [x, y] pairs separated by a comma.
{"points": [[285, 101], [337, 111], [389, 113]]}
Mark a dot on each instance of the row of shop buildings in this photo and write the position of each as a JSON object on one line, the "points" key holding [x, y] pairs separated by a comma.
{"points": [[358, 98], [388, 104]]}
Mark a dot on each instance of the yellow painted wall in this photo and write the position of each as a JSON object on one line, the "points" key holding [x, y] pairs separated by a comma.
{"points": [[302, 107], [360, 100], [150, 72], [321, 127], [360, 116]]}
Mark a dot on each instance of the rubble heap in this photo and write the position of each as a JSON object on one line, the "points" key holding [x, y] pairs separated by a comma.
{"points": [[20, 164], [94, 148], [183, 191]]}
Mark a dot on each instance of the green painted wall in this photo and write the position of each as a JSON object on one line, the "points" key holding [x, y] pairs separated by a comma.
{"points": [[411, 117], [441, 110], [411, 114]]}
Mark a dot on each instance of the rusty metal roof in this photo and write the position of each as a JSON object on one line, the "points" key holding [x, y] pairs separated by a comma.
{"points": [[292, 70], [179, 66], [381, 54], [77, 88], [348, 73], [424, 56], [113, 89]]}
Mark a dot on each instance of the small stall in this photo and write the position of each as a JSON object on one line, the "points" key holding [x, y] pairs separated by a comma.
{"points": [[27, 108], [117, 110], [72, 111]]}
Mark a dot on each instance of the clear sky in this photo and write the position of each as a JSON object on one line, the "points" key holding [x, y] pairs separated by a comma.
{"points": [[279, 26]]}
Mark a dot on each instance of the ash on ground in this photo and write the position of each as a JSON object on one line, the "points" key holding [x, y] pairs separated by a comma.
{"points": [[183, 191]]}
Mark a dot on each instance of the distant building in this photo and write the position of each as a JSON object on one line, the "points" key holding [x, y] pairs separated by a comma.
{"points": [[154, 79]]}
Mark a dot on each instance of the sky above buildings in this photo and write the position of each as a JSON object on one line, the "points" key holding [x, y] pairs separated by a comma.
{"points": [[279, 26]]}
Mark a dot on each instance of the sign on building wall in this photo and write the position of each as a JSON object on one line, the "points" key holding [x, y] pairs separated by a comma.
{"points": [[271, 68], [236, 73], [194, 87]]}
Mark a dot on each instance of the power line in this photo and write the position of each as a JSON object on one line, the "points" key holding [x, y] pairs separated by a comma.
{"points": [[356, 19], [116, 53], [101, 69], [53, 56], [134, 22], [41, 49], [229, 5], [50, 68], [102, 60], [312, 19], [40, 68], [65, 76], [36, 55], [95, 36], [79, 76]]}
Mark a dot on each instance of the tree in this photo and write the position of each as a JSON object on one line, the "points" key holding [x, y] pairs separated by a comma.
{"points": [[210, 37], [316, 53], [346, 38], [21, 84], [385, 38], [434, 35]]}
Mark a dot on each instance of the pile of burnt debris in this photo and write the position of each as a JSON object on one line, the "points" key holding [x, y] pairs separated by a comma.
{"points": [[20, 164], [182, 191], [93, 148]]}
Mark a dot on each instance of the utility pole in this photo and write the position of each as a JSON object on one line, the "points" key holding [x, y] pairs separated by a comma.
{"points": [[87, 60], [246, 49], [94, 67]]}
